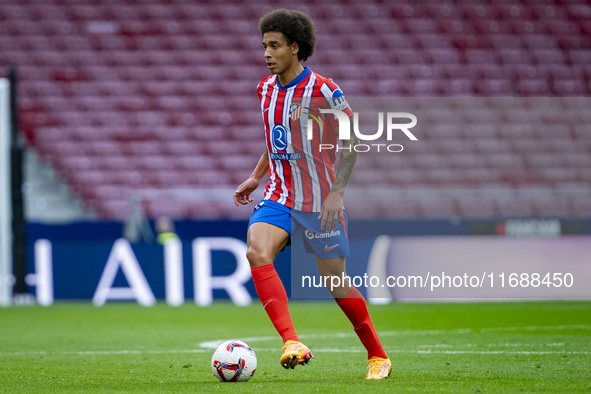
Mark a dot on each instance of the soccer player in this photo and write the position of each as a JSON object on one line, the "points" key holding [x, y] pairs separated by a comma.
{"points": [[303, 191]]}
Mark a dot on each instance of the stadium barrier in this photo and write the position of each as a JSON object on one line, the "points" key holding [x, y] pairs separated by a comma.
{"points": [[390, 260]]}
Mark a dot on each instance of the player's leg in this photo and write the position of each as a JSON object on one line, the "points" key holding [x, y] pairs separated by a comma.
{"points": [[352, 303], [265, 241]]}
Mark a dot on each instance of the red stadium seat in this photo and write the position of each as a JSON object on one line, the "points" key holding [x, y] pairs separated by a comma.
{"points": [[141, 94], [579, 11], [438, 209], [442, 56], [452, 71], [552, 208], [569, 87], [513, 11], [399, 209], [546, 10], [420, 26], [421, 87], [558, 27], [540, 41], [548, 56], [438, 11], [172, 209], [513, 56], [493, 26], [457, 87], [581, 207], [525, 26], [480, 56], [508, 41], [527, 71], [495, 87], [478, 11], [532, 87], [114, 209], [515, 208], [477, 209]]}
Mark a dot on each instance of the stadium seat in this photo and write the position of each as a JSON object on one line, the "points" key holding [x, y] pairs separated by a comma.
{"points": [[569, 87], [581, 207], [513, 56], [122, 95], [477, 209], [398, 209], [515, 208], [494, 87], [477, 11], [558, 27], [457, 87], [443, 55], [546, 10], [438, 209], [532, 87], [552, 208]]}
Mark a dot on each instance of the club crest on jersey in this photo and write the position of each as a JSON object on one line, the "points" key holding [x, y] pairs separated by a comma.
{"points": [[295, 111]]}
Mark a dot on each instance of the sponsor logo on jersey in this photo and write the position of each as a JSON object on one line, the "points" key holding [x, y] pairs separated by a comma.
{"points": [[337, 101], [279, 138], [285, 156]]}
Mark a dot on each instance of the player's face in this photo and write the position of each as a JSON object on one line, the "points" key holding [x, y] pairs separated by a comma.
{"points": [[278, 55]]}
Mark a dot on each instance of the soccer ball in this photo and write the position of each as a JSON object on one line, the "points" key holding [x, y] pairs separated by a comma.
{"points": [[233, 361]]}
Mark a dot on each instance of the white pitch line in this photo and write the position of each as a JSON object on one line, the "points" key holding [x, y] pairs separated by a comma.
{"points": [[318, 350], [536, 328], [205, 347], [215, 343], [105, 352], [481, 352]]}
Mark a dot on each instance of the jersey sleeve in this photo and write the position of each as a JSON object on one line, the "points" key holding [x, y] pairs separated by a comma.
{"points": [[335, 97]]}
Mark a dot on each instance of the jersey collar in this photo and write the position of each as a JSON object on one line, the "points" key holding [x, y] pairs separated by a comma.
{"points": [[297, 79]]}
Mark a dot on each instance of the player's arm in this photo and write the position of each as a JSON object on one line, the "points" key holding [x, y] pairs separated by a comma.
{"points": [[242, 193], [332, 211]]}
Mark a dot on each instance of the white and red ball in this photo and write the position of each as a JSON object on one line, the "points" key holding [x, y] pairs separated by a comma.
{"points": [[233, 361]]}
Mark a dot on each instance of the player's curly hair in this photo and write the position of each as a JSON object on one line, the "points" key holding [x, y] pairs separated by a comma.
{"points": [[295, 26]]}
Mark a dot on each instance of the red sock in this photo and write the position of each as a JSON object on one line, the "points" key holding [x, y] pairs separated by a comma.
{"points": [[355, 308], [274, 299]]}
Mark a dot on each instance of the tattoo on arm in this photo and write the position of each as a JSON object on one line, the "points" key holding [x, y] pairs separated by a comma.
{"points": [[346, 163]]}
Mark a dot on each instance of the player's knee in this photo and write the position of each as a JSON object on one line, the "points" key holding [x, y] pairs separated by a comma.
{"points": [[256, 258]]}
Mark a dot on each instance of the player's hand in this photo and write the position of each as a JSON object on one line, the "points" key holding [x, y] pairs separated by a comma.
{"points": [[242, 193], [332, 212]]}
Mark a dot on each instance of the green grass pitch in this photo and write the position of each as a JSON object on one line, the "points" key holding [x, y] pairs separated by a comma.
{"points": [[469, 347]]}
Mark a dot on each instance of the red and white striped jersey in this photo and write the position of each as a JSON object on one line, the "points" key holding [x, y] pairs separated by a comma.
{"points": [[300, 173]]}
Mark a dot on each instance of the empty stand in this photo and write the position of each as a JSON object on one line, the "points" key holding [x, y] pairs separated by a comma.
{"points": [[161, 95]]}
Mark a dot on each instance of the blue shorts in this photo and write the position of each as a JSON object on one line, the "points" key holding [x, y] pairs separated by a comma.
{"points": [[322, 244]]}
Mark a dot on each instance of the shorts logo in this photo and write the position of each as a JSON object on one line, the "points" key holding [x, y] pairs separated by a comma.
{"points": [[295, 111], [279, 138], [311, 235], [329, 248]]}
